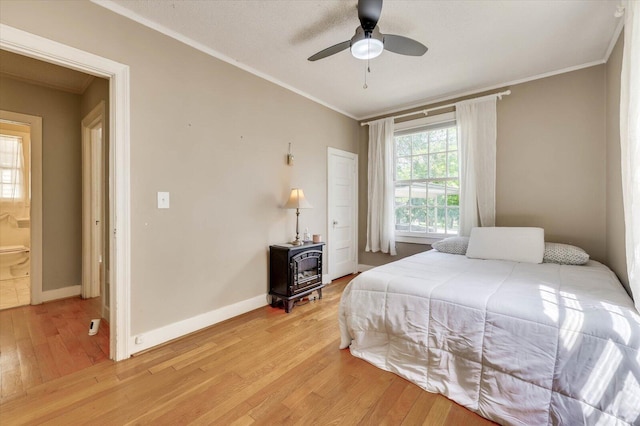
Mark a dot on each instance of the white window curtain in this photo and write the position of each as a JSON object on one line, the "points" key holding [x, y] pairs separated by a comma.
{"points": [[477, 133], [630, 143], [12, 188], [380, 213]]}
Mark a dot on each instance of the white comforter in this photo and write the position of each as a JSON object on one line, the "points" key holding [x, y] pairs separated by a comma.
{"points": [[517, 343]]}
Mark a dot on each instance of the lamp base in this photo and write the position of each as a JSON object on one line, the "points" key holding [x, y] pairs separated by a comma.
{"points": [[296, 242]]}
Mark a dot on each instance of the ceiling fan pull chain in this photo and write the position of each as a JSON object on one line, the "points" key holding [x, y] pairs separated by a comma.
{"points": [[367, 69], [365, 77]]}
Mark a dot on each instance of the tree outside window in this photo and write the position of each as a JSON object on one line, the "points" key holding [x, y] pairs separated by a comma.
{"points": [[427, 183]]}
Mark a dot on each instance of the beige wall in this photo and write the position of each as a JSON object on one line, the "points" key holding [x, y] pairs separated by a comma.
{"points": [[550, 159], [550, 163], [61, 176], [216, 138], [616, 256]]}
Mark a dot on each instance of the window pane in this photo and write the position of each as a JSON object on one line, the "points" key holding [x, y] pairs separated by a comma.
{"points": [[438, 165], [402, 195], [6, 176], [441, 219], [420, 143], [403, 145], [452, 138], [419, 167], [418, 220], [11, 167], [402, 219], [453, 196], [435, 188], [431, 219], [418, 194], [438, 140], [453, 220], [452, 162], [403, 168]]}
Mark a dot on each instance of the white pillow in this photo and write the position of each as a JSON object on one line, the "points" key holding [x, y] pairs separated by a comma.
{"points": [[453, 245], [516, 244]]}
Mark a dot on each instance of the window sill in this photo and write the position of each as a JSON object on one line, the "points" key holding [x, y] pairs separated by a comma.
{"points": [[417, 240]]}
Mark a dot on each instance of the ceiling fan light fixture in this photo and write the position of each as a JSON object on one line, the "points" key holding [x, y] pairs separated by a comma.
{"points": [[367, 48], [367, 44]]}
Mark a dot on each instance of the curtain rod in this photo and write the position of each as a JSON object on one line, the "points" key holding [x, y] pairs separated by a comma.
{"points": [[426, 111]]}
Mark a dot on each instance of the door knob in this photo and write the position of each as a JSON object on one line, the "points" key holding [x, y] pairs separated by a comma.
{"points": [[335, 222]]}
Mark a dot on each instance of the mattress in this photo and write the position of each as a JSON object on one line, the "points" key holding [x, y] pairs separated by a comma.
{"points": [[517, 343]]}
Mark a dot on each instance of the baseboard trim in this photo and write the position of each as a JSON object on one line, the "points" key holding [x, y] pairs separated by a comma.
{"points": [[61, 293], [363, 268], [326, 279], [172, 331]]}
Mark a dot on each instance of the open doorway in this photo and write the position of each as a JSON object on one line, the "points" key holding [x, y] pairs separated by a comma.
{"points": [[33, 46], [15, 212]]}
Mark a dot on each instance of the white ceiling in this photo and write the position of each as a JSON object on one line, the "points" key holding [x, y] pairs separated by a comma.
{"points": [[473, 44]]}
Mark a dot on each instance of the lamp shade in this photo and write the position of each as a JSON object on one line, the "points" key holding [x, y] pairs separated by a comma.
{"points": [[297, 200]]}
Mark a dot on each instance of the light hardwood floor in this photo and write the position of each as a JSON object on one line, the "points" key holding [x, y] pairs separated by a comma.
{"points": [[41, 343], [263, 367], [15, 292]]}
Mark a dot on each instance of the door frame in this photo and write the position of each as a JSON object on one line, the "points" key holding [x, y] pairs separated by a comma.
{"points": [[34, 46], [93, 275], [334, 151]]}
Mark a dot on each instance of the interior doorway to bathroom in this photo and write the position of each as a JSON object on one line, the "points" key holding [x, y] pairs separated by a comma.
{"points": [[15, 212], [119, 238]]}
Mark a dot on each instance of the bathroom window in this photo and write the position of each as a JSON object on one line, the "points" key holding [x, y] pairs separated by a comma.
{"points": [[11, 168]]}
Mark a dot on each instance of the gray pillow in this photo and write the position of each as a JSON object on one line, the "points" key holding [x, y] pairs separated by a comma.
{"points": [[453, 245], [564, 254]]}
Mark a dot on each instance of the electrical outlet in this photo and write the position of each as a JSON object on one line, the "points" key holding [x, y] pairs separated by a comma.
{"points": [[139, 340]]}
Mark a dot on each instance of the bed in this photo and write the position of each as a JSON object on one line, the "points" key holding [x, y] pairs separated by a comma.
{"points": [[516, 342]]}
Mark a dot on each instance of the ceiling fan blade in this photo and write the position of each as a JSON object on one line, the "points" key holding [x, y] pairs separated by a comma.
{"points": [[330, 50], [369, 13], [403, 45]]}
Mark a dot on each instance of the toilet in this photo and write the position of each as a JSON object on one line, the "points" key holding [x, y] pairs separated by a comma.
{"points": [[14, 262]]}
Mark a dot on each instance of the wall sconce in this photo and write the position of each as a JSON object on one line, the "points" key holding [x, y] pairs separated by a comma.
{"points": [[290, 157]]}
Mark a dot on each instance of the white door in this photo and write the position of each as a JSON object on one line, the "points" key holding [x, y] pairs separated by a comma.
{"points": [[342, 238], [93, 213]]}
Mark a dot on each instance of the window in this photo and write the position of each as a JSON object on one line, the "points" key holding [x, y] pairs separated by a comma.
{"points": [[427, 185], [11, 168]]}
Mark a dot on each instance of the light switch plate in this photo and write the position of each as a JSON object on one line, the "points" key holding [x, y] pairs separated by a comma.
{"points": [[163, 200]]}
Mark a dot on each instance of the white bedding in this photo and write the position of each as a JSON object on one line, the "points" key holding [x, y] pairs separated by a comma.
{"points": [[518, 343]]}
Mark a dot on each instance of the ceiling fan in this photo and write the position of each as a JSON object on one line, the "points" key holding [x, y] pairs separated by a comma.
{"points": [[368, 42]]}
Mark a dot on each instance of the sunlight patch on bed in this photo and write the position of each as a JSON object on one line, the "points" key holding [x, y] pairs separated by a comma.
{"points": [[573, 320], [619, 323], [549, 302], [601, 375], [628, 388]]}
